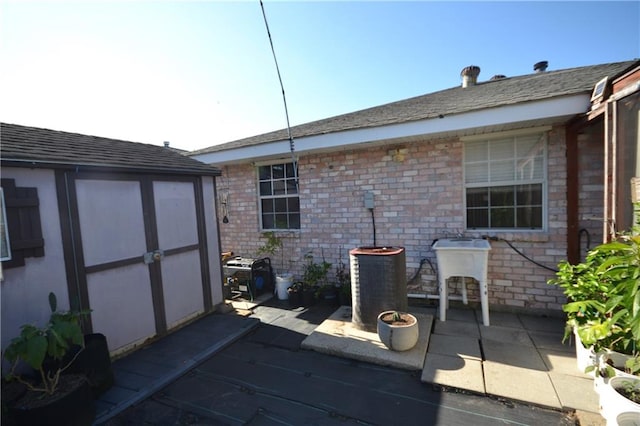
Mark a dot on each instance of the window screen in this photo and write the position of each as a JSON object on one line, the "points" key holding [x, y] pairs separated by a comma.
{"points": [[505, 182], [279, 201]]}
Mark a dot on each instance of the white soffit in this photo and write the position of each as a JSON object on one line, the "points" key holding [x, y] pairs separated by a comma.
{"points": [[499, 116]]}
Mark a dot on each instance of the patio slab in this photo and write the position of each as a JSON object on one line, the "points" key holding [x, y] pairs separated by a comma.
{"points": [[247, 305], [505, 334], [547, 340], [454, 371], [575, 392], [521, 384], [560, 362], [508, 353], [464, 347], [539, 323], [502, 319], [337, 336], [457, 328], [462, 314]]}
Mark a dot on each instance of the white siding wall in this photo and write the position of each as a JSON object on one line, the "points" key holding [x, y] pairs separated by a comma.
{"points": [[25, 289], [213, 243]]}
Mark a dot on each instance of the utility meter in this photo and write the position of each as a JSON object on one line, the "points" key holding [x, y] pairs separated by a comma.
{"points": [[368, 200]]}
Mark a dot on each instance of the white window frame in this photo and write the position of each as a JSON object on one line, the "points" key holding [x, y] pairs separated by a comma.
{"points": [[261, 197], [489, 137]]}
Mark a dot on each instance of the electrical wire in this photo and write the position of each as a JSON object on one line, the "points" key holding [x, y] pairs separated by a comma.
{"points": [[419, 270], [284, 99], [528, 258], [586, 232], [373, 221]]}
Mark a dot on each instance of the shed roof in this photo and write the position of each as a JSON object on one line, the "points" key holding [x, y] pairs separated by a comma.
{"points": [[456, 100], [32, 146]]}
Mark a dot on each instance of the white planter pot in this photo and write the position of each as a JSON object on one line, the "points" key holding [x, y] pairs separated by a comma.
{"points": [[585, 357], [618, 361], [283, 282], [627, 419], [398, 337], [599, 382], [613, 404]]}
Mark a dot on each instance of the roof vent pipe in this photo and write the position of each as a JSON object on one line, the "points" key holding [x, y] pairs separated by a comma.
{"points": [[541, 66], [470, 75], [166, 144]]}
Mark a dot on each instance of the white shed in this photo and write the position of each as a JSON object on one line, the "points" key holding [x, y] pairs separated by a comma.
{"points": [[127, 230]]}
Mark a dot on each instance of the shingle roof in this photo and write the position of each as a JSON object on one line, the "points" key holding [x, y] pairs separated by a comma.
{"points": [[31, 145], [483, 95]]}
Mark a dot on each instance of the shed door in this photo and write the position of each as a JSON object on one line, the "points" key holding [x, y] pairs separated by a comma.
{"points": [[141, 255]]}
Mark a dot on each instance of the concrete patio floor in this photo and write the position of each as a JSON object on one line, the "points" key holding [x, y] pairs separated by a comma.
{"points": [[253, 369], [519, 357]]}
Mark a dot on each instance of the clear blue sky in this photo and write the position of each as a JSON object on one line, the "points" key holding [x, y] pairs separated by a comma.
{"points": [[202, 73]]}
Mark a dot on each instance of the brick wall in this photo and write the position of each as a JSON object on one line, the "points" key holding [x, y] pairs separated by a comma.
{"points": [[418, 195]]}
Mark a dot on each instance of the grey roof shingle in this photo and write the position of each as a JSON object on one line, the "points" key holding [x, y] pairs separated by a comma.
{"points": [[483, 95], [31, 145]]}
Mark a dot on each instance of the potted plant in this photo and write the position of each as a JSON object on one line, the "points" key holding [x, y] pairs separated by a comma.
{"points": [[584, 293], [52, 398], [283, 279], [294, 294], [620, 397], [94, 361], [397, 330], [314, 278], [603, 300]]}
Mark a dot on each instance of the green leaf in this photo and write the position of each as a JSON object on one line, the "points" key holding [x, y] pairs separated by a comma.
{"points": [[53, 302], [57, 345], [36, 349]]}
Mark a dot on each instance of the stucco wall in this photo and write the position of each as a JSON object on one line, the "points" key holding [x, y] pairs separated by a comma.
{"points": [[25, 289], [212, 238], [418, 198]]}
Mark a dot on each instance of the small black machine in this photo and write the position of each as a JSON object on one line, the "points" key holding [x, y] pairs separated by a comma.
{"points": [[247, 278]]}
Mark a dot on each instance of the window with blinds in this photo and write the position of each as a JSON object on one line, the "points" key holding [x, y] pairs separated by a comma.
{"points": [[505, 182], [279, 200]]}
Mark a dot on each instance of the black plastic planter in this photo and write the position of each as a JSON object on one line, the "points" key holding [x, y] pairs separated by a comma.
{"points": [[94, 362], [295, 297], [309, 296], [73, 407]]}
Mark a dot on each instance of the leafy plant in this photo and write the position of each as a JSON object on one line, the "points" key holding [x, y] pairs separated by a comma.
{"points": [[272, 245], [397, 318], [342, 274], [54, 340], [604, 296], [315, 274], [343, 280], [630, 390], [632, 365]]}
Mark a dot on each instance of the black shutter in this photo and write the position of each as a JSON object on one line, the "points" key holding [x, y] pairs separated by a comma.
{"points": [[23, 222]]}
